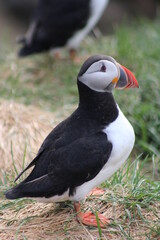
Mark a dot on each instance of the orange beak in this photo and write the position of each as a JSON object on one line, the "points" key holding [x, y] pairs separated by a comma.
{"points": [[126, 79]]}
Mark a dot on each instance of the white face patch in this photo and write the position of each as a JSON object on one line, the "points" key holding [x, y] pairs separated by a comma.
{"points": [[100, 75]]}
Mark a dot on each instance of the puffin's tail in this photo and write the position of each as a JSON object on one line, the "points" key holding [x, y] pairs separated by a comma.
{"points": [[31, 49], [14, 193], [27, 50], [39, 187]]}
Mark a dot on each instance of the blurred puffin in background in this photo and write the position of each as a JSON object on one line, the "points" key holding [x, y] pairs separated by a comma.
{"points": [[60, 23], [88, 147]]}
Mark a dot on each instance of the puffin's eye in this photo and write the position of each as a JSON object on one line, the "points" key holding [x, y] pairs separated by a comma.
{"points": [[103, 68]]}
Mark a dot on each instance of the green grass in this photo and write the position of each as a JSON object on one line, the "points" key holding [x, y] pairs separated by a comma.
{"points": [[144, 58]]}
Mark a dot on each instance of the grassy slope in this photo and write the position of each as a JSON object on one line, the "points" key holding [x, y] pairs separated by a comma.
{"points": [[41, 81]]}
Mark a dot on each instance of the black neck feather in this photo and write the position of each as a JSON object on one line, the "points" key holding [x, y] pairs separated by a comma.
{"points": [[99, 106]]}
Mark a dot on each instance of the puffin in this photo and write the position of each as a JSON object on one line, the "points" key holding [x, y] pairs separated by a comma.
{"points": [[89, 146], [60, 23]]}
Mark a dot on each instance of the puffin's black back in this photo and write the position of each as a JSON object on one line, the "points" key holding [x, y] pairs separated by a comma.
{"points": [[55, 21]]}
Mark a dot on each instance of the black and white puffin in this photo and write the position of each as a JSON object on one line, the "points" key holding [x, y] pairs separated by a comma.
{"points": [[60, 23], [86, 148]]}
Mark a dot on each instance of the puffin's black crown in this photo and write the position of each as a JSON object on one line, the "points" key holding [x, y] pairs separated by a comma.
{"points": [[93, 59]]}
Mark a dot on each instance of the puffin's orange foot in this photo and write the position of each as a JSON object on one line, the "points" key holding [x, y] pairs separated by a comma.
{"points": [[96, 192], [75, 59], [89, 218], [57, 56]]}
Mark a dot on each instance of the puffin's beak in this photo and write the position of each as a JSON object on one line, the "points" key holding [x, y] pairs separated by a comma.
{"points": [[126, 79]]}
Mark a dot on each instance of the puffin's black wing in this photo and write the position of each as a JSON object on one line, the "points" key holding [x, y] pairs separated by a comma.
{"points": [[69, 167], [54, 22], [49, 143]]}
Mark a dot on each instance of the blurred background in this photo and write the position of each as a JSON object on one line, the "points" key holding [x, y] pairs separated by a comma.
{"points": [[15, 15]]}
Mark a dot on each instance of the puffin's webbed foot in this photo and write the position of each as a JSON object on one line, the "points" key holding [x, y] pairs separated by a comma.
{"points": [[89, 218], [96, 192], [73, 56]]}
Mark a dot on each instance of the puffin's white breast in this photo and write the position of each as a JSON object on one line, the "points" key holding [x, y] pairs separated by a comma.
{"points": [[121, 134], [97, 8]]}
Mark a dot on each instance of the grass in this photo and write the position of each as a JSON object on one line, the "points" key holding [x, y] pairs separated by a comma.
{"points": [[144, 58], [133, 193]]}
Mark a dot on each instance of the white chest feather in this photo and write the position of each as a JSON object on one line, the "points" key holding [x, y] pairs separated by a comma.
{"points": [[121, 134], [97, 8]]}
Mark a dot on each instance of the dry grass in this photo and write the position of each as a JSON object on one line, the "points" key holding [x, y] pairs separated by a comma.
{"points": [[58, 221], [22, 130]]}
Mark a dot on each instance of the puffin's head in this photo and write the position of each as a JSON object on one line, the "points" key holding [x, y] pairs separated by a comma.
{"points": [[103, 74]]}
